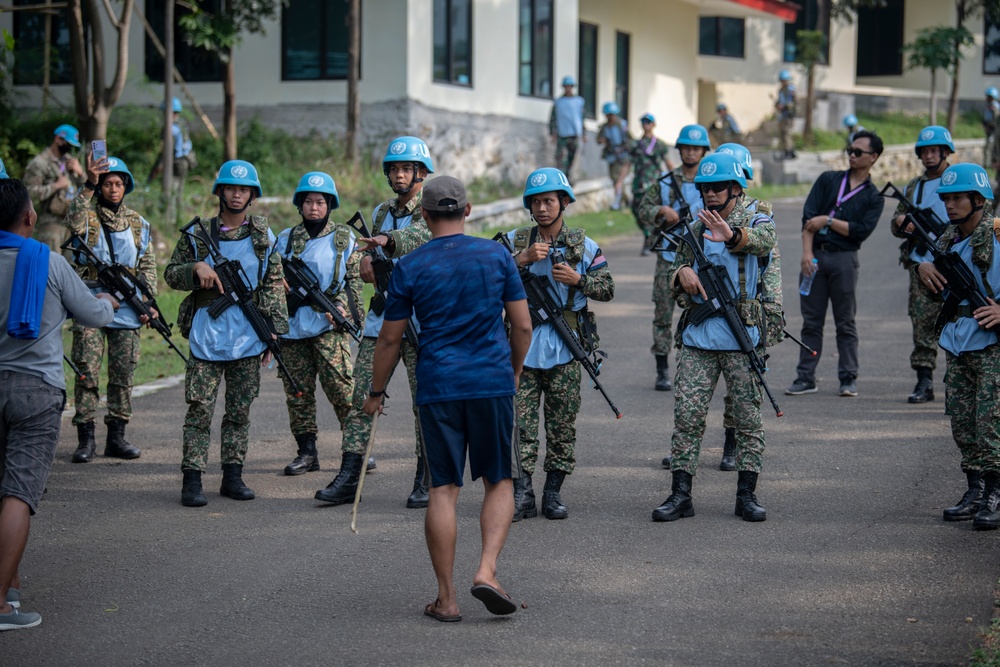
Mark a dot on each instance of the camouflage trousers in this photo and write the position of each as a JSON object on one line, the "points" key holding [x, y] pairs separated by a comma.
{"points": [[201, 387], [566, 154], [358, 426], [698, 373], [972, 400], [561, 386], [52, 232], [636, 200], [123, 356], [923, 312], [785, 130], [663, 314], [328, 358], [990, 151]]}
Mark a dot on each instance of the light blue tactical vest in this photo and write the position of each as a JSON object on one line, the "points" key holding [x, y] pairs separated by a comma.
{"points": [[965, 334], [569, 116], [230, 336], [689, 191], [926, 197], [373, 322], [330, 266], [127, 255]]}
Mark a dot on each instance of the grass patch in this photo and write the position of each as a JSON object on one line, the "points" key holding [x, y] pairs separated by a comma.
{"points": [[988, 655], [895, 128]]}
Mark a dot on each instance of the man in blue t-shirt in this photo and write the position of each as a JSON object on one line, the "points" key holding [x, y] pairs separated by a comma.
{"points": [[459, 288]]}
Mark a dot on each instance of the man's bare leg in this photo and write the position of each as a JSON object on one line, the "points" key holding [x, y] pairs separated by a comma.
{"points": [[441, 530], [15, 518], [494, 522]]}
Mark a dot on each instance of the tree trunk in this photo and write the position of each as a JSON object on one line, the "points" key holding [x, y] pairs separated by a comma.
{"points": [[960, 14], [229, 108], [96, 125], [168, 111], [79, 59], [810, 103], [933, 97], [353, 74]]}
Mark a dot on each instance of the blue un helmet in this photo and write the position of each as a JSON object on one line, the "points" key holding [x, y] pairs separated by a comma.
{"points": [[611, 108], [993, 93], [568, 81], [693, 135], [647, 118], [407, 149], [784, 75], [175, 105], [3, 171], [850, 120], [117, 165], [742, 156], [934, 135], [720, 168], [238, 172], [69, 133], [546, 179], [317, 181], [965, 177]]}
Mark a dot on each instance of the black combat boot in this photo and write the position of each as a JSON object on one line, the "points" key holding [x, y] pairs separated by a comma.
{"points": [[418, 497], [678, 504], [343, 487], [970, 502], [552, 506], [746, 501], [924, 391], [988, 516], [371, 464], [116, 445], [728, 462], [191, 493], [87, 445], [666, 462], [524, 498], [232, 483], [663, 382], [308, 459]]}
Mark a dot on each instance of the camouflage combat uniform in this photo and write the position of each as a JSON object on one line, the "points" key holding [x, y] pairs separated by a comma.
{"points": [[202, 378], [615, 154], [566, 124], [50, 204], [560, 383], [358, 425], [698, 370], [991, 120], [649, 159], [328, 355], [89, 220]]}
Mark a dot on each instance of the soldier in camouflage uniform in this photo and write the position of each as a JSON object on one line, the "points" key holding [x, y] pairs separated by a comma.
{"points": [[933, 147], [225, 346], [566, 126], [969, 339], [658, 210], [116, 234], [53, 178], [549, 368], [991, 118], [735, 239], [649, 157], [313, 346], [398, 228], [616, 142]]}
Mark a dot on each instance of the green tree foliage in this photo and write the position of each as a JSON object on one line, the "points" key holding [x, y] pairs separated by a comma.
{"points": [[937, 49]]}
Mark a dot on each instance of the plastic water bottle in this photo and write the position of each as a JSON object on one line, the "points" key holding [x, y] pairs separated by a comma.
{"points": [[807, 280]]}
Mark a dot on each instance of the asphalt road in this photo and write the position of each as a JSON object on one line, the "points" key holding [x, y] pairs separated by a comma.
{"points": [[853, 566]]}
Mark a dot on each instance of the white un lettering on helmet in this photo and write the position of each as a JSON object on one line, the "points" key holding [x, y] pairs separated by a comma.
{"points": [[398, 148], [421, 150], [238, 171], [708, 169], [927, 135], [982, 180], [538, 179], [562, 179], [315, 181], [947, 135], [949, 178]]}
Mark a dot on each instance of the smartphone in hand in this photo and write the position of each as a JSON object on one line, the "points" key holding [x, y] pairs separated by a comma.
{"points": [[99, 148]]}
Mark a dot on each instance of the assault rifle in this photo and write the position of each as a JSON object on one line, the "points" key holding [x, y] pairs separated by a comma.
{"points": [[544, 309], [126, 288], [73, 367], [382, 267], [306, 289], [237, 291], [721, 302], [683, 212], [931, 224], [961, 283]]}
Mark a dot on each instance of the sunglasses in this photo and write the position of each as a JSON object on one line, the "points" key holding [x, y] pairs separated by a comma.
{"points": [[714, 187], [857, 152]]}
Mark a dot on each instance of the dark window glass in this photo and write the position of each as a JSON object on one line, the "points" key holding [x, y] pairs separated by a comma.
{"points": [[708, 35], [991, 47], [29, 50], [623, 66], [588, 68], [721, 36], [194, 64], [313, 41], [808, 19], [535, 48], [453, 41], [880, 40]]}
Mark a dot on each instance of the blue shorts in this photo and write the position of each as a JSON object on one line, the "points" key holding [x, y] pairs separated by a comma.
{"points": [[483, 427]]}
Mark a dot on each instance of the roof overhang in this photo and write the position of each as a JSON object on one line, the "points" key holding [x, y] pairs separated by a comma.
{"points": [[786, 11]]}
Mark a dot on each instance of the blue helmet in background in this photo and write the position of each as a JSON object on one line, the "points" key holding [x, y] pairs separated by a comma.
{"points": [[993, 93], [720, 107], [741, 154], [3, 171], [784, 75], [407, 149], [965, 177], [117, 165], [647, 118], [568, 81], [238, 172], [69, 133], [720, 168], [175, 105], [546, 179], [611, 108], [850, 120], [693, 135], [317, 181], [934, 135]]}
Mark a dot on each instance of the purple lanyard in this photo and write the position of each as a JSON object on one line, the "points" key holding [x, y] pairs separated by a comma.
{"points": [[841, 197], [649, 148]]}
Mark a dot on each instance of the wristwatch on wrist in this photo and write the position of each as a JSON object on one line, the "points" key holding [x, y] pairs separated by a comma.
{"points": [[829, 221], [376, 394], [89, 186]]}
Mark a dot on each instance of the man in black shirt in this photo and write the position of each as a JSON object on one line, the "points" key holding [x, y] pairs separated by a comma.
{"points": [[840, 213]]}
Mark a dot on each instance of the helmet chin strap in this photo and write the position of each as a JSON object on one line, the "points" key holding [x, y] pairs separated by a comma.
{"points": [[966, 218], [224, 205], [413, 182], [562, 208], [719, 208]]}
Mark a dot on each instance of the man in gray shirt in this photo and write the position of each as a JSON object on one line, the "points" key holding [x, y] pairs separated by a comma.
{"points": [[32, 383]]}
